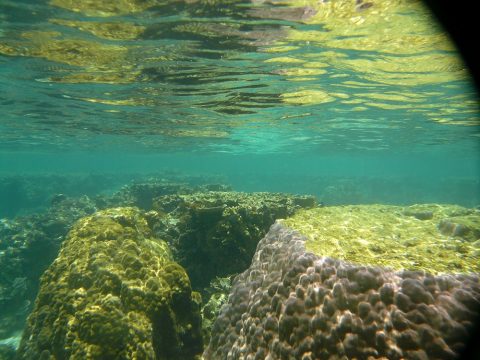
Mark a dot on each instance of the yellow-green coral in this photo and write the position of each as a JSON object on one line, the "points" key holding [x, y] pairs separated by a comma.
{"points": [[393, 236], [113, 292]]}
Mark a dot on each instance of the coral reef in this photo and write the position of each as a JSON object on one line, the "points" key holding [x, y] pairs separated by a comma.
{"points": [[141, 194], [214, 234], [27, 247], [113, 292], [29, 244], [217, 295], [24, 194], [430, 237], [364, 281], [292, 304]]}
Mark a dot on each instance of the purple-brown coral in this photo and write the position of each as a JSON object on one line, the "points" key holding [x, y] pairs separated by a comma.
{"points": [[295, 305]]}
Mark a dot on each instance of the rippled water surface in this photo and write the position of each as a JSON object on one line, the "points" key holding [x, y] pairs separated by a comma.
{"points": [[231, 76]]}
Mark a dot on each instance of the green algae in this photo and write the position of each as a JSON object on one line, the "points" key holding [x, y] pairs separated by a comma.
{"points": [[392, 236]]}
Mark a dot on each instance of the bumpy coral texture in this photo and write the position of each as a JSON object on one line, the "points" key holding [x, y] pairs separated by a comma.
{"points": [[295, 305], [113, 293]]}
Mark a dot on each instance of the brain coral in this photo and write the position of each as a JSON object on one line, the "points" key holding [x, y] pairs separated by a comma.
{"points": [[113, 293], [291, 304]]}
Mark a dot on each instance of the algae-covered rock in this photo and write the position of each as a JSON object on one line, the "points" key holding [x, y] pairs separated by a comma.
{"points": [[430, 237], [292, 304], [113, 293], [214, 234]]}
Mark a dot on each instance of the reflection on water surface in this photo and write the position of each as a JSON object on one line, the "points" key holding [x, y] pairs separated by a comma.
{"points": [[214, 74]]}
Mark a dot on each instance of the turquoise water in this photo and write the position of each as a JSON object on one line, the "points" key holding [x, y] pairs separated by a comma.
{"points": [[352, 102], [236, 88]]}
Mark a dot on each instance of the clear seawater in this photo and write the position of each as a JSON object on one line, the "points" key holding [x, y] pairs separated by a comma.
{"points": [[349, 102], [262, 92]]}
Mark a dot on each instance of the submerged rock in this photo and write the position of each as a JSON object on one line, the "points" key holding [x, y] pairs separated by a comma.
{"points": [[293, 304], [113, 292], [466, 227]]}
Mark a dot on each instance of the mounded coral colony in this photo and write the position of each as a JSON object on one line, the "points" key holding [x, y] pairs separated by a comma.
{"points": [[114, 292], [295, 304]]}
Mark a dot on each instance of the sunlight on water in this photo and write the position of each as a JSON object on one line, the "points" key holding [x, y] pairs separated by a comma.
{"points": [[153, 73]]}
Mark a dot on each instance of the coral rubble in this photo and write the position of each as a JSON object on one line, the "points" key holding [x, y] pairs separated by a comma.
{"points": [[113, 292], [293, 304]]}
